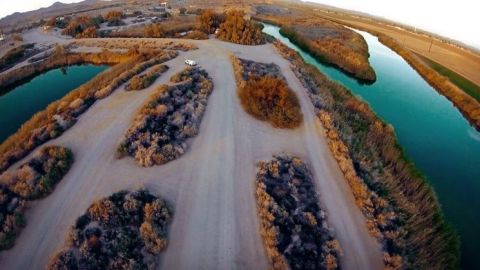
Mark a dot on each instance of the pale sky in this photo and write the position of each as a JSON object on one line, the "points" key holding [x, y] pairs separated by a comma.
{"points": [[459, 19]]}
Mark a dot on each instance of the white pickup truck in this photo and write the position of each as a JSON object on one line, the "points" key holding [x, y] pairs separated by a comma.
{"points": [[190, 62]]}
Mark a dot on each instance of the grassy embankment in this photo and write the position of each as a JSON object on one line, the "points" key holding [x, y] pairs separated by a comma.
{"points": [[463, 83], [401, 207], [468, 105], [62, 114], [329, 43]]}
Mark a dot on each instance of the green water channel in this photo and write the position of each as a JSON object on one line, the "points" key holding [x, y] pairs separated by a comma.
{"points": [[19, 104], [432, 131]]}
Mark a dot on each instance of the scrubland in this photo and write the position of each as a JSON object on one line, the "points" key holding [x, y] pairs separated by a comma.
{"points": [[171, 116], [293, 226], [62, 114], [33, 180], [395, 198], [265, 95], [126, 230]]}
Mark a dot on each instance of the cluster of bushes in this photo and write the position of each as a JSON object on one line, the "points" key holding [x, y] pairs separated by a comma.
{"points": [[171, 116], [83, 27], [16, 55], [31, 181], [239, 30], [401, 208], [114, 18], [62, 114], [143, 81], [126, 230], [265, 95], [294, 228], [154, 30]]}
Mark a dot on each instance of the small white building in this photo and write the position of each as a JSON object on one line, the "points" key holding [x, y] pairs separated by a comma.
{"points": [[2, 37]]}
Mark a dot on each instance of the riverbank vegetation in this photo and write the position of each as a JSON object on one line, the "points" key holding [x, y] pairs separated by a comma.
{"points": [[170, 116], [143, 81], [33, 180], [62, 114], [237, 29], [293, 226], [16, 55], [401, 208], [328, 42], [463, 83], [126, 230], [466, 104], [265, 95]]}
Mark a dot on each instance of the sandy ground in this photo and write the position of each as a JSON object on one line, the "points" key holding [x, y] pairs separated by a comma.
{"points": [[211, 187], [463, 62]]}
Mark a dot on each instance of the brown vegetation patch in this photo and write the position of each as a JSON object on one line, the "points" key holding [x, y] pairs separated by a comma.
{"points": [[171, 116], [293, 227], [128, 44], [239, 30], [328, 42], [59, 116], [143, 81], [126, 230], [265, 95], [395, 198], [33, 180]]}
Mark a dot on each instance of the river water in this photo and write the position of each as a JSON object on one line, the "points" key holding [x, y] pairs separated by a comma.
{"points": [[432, 131], [21, 103]]}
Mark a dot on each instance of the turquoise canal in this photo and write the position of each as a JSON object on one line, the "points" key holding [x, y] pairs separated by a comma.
{"points": [[433, 132], [21, 103]]}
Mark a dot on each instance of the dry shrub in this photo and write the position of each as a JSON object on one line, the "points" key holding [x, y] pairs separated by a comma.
{"points": [[123, 231], [33, 180], [268, 98], [294, 231], [208, 21], [237, 29], [145, 80], [171, 116], [196, 34]]}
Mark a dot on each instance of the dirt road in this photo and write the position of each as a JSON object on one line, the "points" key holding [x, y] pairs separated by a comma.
{"points": [[211, 187]]}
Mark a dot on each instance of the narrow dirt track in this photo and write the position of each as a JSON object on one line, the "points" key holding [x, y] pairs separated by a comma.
{"points": [[211, 187]]}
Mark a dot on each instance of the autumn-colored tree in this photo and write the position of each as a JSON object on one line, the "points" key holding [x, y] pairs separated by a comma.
{"points": [[114, 18], [209, 21], [239, 30]]}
